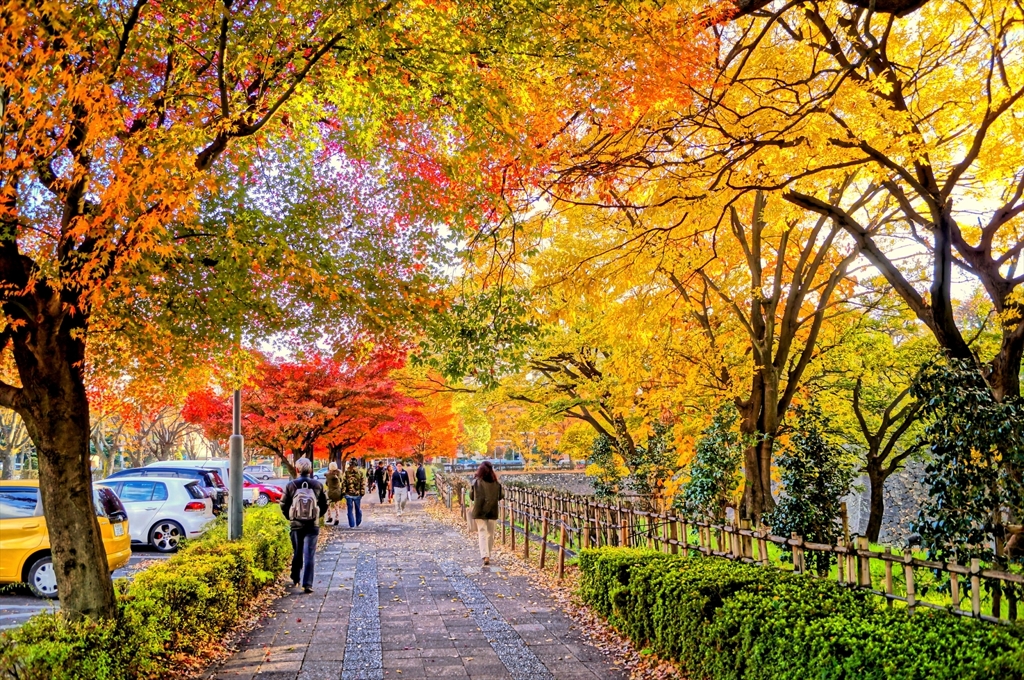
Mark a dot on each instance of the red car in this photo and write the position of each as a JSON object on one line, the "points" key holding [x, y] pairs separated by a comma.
{"points": [[268, 493]]}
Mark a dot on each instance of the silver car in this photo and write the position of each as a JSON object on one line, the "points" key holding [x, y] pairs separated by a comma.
{"points": [[162, 511]]}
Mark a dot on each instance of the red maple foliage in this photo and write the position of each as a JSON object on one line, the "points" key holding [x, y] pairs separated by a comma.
{"points": [[319, 408]]}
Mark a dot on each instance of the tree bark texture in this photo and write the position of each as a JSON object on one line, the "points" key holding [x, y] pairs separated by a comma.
{"points": [[49, 352]]}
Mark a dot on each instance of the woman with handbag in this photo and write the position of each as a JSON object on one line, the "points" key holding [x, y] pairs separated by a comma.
{"points": [[486, 494]]}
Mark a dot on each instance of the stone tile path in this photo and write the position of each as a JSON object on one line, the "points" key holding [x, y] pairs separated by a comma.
{"points": [[408, 598]]}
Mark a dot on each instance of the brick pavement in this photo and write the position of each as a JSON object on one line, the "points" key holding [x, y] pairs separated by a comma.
{"points": [[408, 598]]}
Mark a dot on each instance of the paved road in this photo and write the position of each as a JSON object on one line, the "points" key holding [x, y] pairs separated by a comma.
{"points": [[18, 604], [408, 598]]}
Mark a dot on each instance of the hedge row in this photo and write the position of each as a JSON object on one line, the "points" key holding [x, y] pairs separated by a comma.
{"points": [[727, 620], [171, 609]]}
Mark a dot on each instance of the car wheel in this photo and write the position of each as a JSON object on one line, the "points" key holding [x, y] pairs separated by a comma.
{"points": [[166, 535], [42, 578], [265, 477], [262, 500]]}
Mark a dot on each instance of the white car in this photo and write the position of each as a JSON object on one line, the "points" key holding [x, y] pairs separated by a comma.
{"points": [[162, 511]]}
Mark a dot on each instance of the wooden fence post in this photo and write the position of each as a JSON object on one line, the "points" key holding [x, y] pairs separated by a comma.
{"points": [[526, 537], [908, 574], [504, 523], [561, 551], [798, 553], [864, 562], [762, 546], [954, 587], [623, 533], [543, 538], [512, 525], [888, 575], [975, 587]]}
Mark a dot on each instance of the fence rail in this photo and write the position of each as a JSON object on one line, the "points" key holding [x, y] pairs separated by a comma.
{"points": [[568, 523]]}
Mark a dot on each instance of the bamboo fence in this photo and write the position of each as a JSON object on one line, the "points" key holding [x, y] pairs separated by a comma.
{"points": [[564, 524]]}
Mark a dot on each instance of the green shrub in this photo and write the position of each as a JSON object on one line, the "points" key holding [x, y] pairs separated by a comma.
{"points": [[730, 621], [172, 608]]}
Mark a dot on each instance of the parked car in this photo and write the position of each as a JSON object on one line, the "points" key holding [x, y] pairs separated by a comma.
{"points": [[320, 474], [162, 511], [25, 544], [263, 472], [208, 479], [265, 493]]}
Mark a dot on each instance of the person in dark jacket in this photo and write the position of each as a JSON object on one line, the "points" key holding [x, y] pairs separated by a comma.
{"points": [[355, 487], [381, 481], [305, 532], [486, 494], [421, 481]]}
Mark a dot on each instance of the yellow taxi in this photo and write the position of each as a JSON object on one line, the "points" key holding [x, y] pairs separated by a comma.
{"points": [[25, 544]]}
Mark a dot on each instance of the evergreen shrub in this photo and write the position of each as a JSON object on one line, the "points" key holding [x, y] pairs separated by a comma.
{"points": [[171, 609], [725, 620]]}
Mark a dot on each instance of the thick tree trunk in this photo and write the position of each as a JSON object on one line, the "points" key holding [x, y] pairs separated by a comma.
{"points": [[757, 459], [7, 459], [876, 482], [50, 355]]}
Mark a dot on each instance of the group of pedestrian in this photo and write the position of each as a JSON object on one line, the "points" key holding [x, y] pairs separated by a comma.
{"points": [[305, 501]]}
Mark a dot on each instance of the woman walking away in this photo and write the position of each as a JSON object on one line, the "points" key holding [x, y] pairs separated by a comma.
{"points": [[355, 486], [391, 489], [334, 495], [486, 494], [400, 487], [304, 503]]}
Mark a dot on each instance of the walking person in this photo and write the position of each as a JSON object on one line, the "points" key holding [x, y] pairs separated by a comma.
{"points": [[381, 481], [334, 494], [401, 487], [355, 486], [390, 475], [304, 503], [486, 493], [421, 481]]}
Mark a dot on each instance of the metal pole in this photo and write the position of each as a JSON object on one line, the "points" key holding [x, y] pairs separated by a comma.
{"points": [[236, 465]]}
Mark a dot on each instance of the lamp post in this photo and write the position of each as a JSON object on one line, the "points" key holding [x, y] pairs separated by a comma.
{"points": [[236, 467]]}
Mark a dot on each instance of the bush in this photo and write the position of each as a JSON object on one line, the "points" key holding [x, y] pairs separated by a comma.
{"points": [[727, 620], [175, 607]]}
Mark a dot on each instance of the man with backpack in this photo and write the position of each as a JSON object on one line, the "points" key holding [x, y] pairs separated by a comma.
{"points": [[304, 503]]}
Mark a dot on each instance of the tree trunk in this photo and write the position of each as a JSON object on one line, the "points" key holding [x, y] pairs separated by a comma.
{"points": [[50, 354], [7, 459], [757, 459], [876, 482]]}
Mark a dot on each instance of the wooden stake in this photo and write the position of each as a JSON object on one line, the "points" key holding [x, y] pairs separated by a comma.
{"points": [[543, 538], [908, 573], [954, 587], [888, 575], [561, 551], [975, 587]]}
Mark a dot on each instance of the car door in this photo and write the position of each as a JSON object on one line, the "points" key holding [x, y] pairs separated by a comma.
{"points": [[22, 528], [137, 497]]}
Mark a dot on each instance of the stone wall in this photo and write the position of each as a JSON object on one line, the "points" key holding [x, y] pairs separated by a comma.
{"points": [[904, 494]]}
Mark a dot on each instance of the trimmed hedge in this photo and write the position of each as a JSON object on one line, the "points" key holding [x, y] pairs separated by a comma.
{"points": [[173, 608], [726, 620]]}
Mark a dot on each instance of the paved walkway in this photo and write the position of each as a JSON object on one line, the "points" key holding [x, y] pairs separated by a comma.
{"points": [[407, 598]]}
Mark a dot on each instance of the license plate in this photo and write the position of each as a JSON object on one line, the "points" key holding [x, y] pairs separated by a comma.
{"points": [[119, 529]]}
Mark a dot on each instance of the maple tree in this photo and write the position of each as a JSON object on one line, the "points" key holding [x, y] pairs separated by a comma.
{"points": [[296, 408]]}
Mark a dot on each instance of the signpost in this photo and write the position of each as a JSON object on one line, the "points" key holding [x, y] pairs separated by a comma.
{"points": [[236, 467]]}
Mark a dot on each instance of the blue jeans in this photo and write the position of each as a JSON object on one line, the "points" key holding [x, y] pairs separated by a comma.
{"points": [[303, 549], [350, 502]]}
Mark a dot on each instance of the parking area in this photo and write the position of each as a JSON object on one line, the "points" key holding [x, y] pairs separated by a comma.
{"points": [[17, 604]]}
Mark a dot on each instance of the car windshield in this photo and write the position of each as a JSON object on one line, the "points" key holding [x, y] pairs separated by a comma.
{"points": [[250, 479]]}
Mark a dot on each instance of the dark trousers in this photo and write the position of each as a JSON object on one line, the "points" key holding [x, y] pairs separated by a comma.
{"points": [[354, 502], [303, 549], [382, 489], [421, 487]]}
